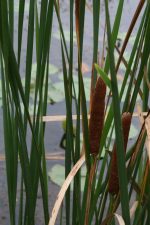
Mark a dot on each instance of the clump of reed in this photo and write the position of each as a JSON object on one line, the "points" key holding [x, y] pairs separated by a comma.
{"points": [[94, 205]]}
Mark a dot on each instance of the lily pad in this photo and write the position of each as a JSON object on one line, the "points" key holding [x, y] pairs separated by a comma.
{"points": [[31, 108], [52, 70], [126, 56], [66, 34], [132, 134], [87, 84], [75, 77], [122, 36], [57, 175], [1, 103], [86, 89], [107, 149], [56, 92], [125, 92]]}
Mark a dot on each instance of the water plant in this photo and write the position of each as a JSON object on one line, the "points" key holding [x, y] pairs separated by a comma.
{"points": [[96, 202]]}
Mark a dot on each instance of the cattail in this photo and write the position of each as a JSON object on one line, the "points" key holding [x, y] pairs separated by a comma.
{"points": [[113, 186], [97, 115], [95, 130]]}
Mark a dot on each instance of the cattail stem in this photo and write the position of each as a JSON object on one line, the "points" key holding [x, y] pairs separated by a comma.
{"points": [[88, 201]]}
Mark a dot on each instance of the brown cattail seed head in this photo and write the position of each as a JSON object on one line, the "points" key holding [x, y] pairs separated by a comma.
{"points": [[97, 115], [113, 186]]}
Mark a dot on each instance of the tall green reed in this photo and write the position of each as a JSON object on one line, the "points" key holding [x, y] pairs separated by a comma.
{"points": [[17, 122]]}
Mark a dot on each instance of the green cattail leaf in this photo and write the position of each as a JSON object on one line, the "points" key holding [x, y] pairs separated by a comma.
{"points": [[104, 76]]}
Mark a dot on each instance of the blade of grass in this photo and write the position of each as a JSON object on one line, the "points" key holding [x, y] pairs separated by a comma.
{"points": [[123, 183], [136, 15], [11, 154], [69, 126], [115, 31], [11, 18], [96, 21], [145, 56], [20, 28]]}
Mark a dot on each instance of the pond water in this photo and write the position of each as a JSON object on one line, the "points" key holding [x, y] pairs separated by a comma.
{"points": [[54, 131]]}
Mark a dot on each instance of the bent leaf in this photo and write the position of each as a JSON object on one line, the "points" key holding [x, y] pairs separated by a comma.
{"points": [[104, 76]]}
